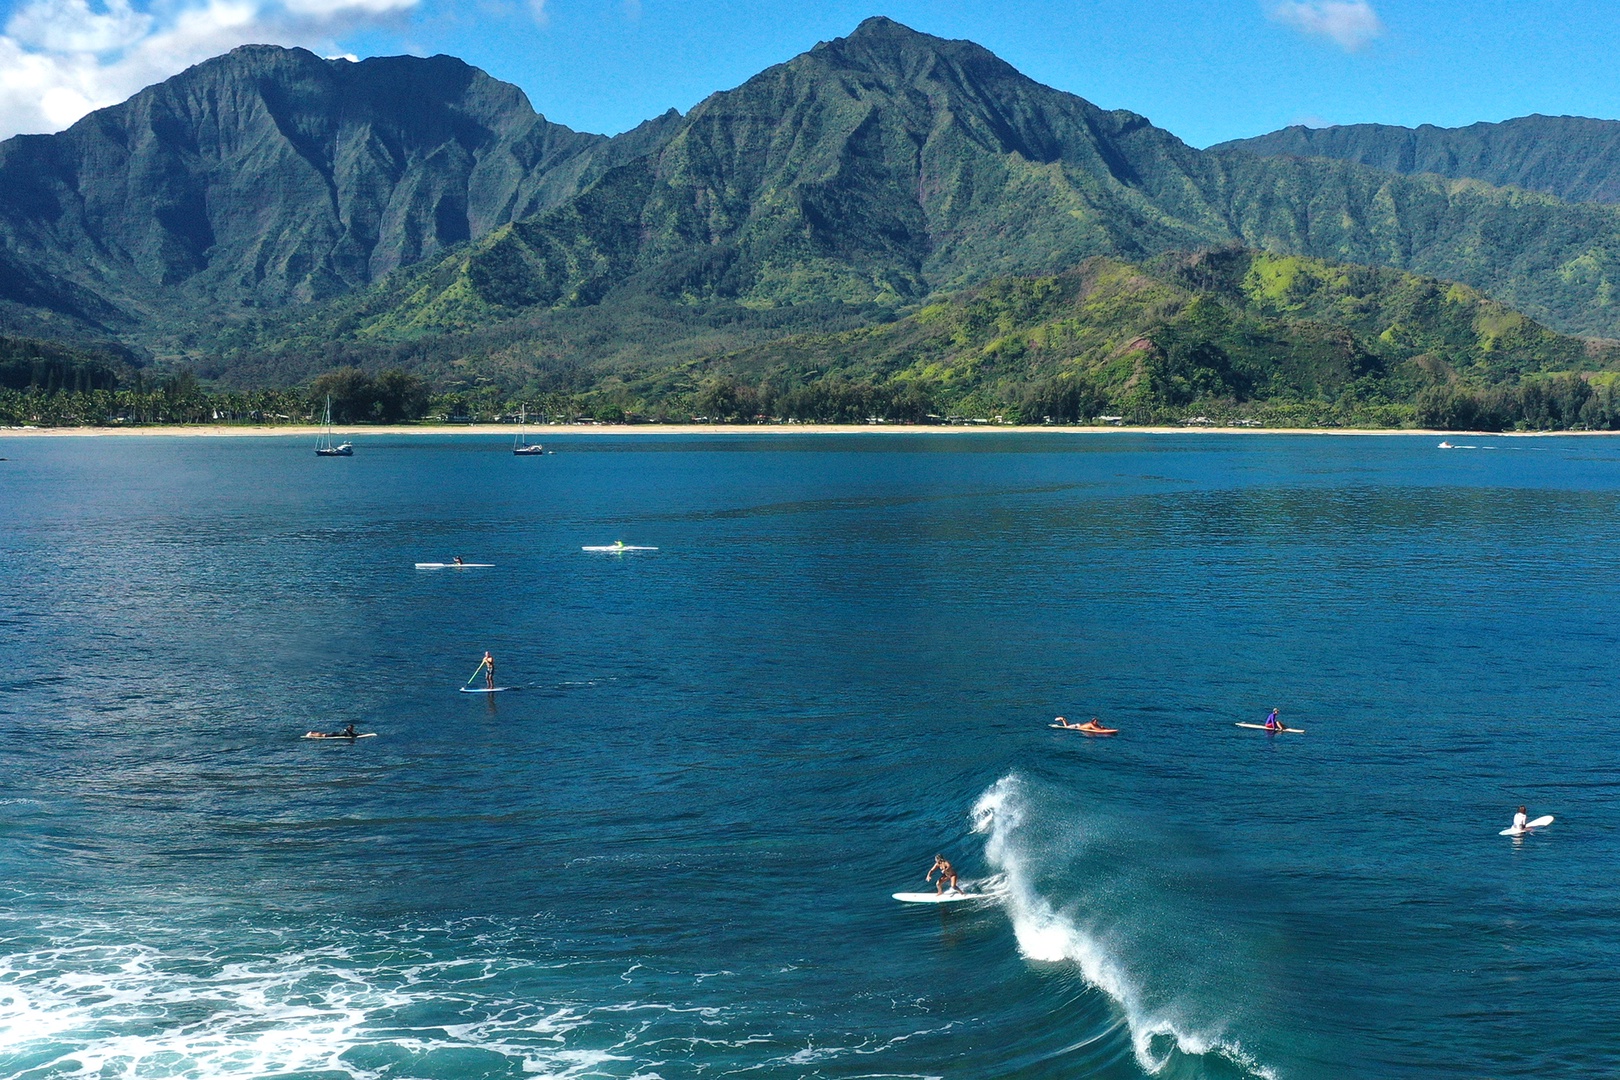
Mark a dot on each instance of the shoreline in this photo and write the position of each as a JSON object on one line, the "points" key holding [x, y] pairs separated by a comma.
{"points": [[540, 433]]}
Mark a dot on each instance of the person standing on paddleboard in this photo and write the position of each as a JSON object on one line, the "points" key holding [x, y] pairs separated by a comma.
{"points": [[946, 872], [488, 665]]}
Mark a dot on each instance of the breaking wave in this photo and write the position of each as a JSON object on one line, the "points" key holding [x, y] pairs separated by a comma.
{"points": [[1162, 1035]]}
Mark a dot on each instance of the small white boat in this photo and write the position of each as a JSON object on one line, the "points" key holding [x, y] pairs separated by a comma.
{"points": [[521, 446], [1446, 446], [324, 447]]}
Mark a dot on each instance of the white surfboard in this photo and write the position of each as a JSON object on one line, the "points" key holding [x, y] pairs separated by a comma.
{"points": [[951, 896], [1262, 727], [339, 735], [454, 565], [617, 547], [1540, 822], [486, 689]]}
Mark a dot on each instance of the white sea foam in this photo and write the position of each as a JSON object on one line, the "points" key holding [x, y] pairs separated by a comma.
{"points": [[135, 1010], [1049, 935]]}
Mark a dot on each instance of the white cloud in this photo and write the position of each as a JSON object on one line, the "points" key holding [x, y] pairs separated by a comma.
{"points": [[1350, 23], [59, 59]]}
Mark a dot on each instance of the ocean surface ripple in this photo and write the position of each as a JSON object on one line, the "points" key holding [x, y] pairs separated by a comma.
{"points": [[671, 851]]}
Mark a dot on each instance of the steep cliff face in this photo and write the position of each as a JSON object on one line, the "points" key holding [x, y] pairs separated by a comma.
{"points": [[873, 168], [879, 167], [1575, 158], [271, 175]]}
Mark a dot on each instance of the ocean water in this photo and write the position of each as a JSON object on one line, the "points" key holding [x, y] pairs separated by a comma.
{"points": [[671, 852]]}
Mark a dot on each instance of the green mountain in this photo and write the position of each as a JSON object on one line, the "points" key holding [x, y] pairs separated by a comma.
{"points": [[269, 215], [1575, 158], [883, 166], [270, 177]]}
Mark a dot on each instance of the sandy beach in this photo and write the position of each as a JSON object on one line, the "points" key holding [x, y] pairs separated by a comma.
{"points": [[230, 431]]}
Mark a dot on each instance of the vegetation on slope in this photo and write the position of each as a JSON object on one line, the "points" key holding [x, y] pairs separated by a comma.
{"points": [[1227, 335], [873, 171], [1575, 158], [1224, 336]]}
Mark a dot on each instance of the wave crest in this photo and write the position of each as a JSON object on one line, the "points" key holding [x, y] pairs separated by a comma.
{"points": [[1048, 935]]}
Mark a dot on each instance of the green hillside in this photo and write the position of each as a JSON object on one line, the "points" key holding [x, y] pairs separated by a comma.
{"points": [[1229, 334]]}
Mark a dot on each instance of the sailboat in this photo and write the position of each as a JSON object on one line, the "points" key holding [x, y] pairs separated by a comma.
{"points": [[323, 441], [521, 446]]}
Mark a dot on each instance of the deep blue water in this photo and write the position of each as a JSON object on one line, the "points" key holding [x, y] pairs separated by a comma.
{"points": [[671, 853]]}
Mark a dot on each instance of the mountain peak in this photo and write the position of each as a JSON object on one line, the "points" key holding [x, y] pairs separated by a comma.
{"points": [[881, 44], [882, 25]]}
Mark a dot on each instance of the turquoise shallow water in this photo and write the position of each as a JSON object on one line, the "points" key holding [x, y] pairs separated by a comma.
{"points": [[671, 853]]}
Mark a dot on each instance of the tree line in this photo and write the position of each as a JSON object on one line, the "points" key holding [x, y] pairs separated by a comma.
{"points": [[69, 397]]}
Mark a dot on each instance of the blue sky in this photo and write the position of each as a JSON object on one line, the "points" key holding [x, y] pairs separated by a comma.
{"points": [[1206, 69]]}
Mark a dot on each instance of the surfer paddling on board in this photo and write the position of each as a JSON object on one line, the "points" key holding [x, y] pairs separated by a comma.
{"points": [[946, 872], [487, 665], [461, 562], [1093, 725], [1272, 723], [346, 733]]}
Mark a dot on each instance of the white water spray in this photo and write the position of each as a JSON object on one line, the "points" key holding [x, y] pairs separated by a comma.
{"points": [[1047, 935]]}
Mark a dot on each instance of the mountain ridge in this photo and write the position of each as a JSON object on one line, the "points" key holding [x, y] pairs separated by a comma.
{"points": [[398, 201], [1576, 158]]}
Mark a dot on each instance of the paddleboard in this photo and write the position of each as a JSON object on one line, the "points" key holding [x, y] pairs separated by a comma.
{"points": [[1540, 822], [319, 735], [454, 565], [952, 896], [1262, 727], [1086, 730], [617, 547], [486, 689]]}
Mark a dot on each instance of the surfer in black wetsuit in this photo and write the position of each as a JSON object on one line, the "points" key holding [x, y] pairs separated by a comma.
{"points": [[946, 872], [460, 561], [349, 732]]}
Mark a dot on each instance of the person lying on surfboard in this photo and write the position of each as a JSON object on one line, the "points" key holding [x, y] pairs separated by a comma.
{"points": [[460, 561], [1094, 724], [346, 733], [946, 872]]}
